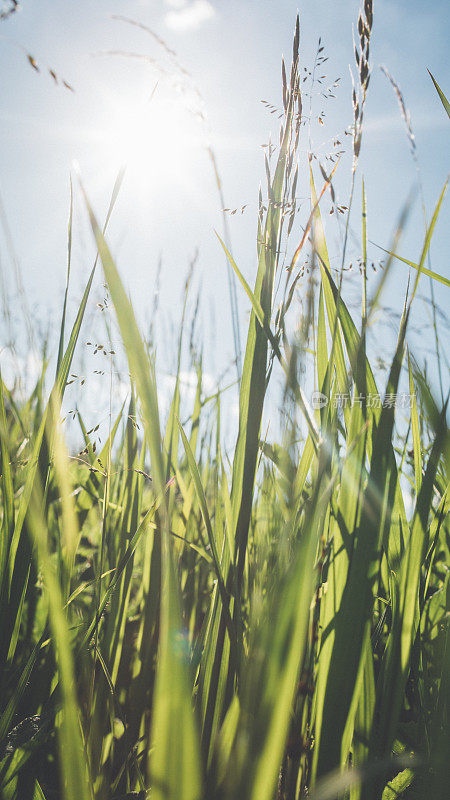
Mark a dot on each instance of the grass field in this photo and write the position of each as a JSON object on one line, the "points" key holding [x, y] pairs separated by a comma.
{"points": [[183, 623]]}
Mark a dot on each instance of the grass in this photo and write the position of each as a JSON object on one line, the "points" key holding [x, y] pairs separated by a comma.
{"points": [[183, 623]]}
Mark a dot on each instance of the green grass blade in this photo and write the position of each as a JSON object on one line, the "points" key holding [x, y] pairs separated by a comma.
{"points": [[284, 654], [415, 431], [355, 608], [397, 657], [441, 94], [7, 487], [174, 758], [209, 530], [66, 292], [74, 775], [434, 275], [265, 325]]}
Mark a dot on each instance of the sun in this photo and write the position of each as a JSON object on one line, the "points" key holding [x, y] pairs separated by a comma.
{"points": [[156, 136]]}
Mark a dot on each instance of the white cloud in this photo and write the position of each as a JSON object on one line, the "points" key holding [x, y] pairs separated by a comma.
{"points": [[188, 16], [176, 3]]}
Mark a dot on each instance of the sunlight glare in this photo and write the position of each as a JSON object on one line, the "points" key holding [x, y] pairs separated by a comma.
{"points": [[157, 138]]}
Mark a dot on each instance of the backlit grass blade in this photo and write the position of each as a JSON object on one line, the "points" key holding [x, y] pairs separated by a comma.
{"points": [[272, 671], [253, 381], [284, 655], [415, 431], [74, 772], [320, 248], [66, 291], [265, 325], [19, 560], [434, 275], [397, 657], [174, 758], [129, 521], [441, 94], [251, 400], [146, 523], [343, 530], [366, 383], [209, 530], [322, 354], [364, 718], [355, 608], [7, 488]]}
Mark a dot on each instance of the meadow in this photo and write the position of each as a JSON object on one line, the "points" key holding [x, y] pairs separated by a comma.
{"points": [[185, 621]]}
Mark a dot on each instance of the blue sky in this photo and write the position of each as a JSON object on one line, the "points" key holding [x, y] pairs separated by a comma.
{"points": [[168, 205]]}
